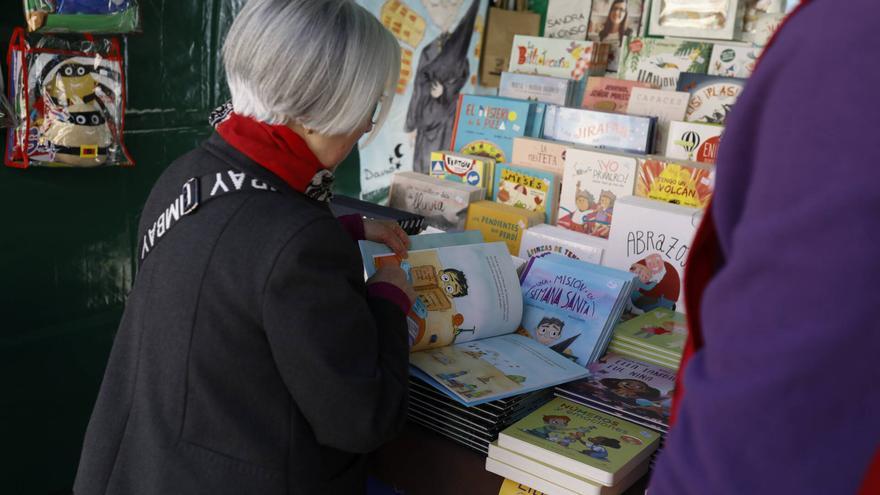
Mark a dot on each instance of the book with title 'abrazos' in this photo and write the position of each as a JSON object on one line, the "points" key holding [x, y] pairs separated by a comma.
{"points": [[486, 125], [593, 181], [652, 240]]}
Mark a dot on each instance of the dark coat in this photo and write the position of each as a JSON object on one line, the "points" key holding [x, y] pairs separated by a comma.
{"points": [[250, 358]]}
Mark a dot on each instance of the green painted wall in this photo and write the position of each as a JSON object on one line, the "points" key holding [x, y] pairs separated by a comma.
{"points": [[67, 241]]}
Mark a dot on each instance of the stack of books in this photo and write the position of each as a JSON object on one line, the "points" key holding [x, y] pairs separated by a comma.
{"points": [[625, 388], [472, 427], [656, 337], [567, 448]]}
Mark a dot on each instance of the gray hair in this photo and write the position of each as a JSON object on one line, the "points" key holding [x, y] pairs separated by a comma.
{"points": [[322, 64]]}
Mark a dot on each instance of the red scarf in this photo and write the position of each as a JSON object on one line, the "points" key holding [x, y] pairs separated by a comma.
{"points": [[275, 147]]}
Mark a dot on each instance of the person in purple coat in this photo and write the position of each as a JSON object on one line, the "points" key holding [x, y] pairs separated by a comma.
{"points": [[779, 392]]}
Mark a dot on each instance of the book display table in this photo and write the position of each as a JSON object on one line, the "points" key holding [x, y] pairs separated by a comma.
{"points": [[421, 462]]}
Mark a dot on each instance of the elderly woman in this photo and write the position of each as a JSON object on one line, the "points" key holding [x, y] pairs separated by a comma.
{"points": [[252, 357]]}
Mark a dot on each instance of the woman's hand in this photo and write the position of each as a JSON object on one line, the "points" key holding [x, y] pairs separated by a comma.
{"points": [[394, 275], [387, 232]]}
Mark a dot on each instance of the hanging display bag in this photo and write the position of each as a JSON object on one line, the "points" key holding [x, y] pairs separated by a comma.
{"points": [[82, 16], [69, 100]]}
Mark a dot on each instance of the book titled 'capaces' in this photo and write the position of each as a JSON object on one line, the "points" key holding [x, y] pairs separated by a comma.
{"points": [[665, 105], [661, 61], [500, 222], [486, 125], [675, 181], [592, 183], [529, 188], [652, 240]]}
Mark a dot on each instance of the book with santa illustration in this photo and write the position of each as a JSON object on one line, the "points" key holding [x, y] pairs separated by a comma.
{"points": [[652, 239]]}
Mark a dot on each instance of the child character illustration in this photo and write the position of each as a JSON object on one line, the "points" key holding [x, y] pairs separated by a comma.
{"points": [[637, 394], [656, 286], [551, 424], [598, 222], [549, 330], [585, 204], [453, 282], [442, 72], [630, 389], [596, 447]]}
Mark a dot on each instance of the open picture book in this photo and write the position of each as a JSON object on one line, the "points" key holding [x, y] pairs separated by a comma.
{"points": [[466, 329]]}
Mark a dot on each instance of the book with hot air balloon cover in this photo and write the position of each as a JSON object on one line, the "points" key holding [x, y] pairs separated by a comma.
{"points": [[693, 141]]}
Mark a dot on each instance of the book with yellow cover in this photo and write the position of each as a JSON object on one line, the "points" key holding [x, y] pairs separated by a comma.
{"points": [[500, 222], [528, 188], [675, 181]]}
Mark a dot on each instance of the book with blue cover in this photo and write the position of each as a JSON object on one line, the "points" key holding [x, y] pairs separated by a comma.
{"points": [[572, 306], [615, 132], [486, 125]]}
